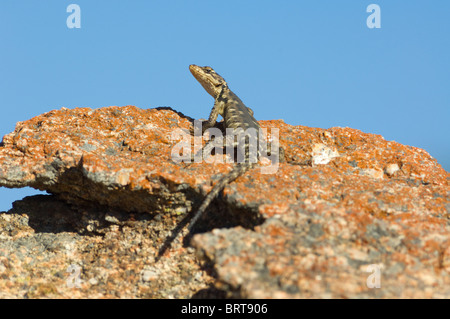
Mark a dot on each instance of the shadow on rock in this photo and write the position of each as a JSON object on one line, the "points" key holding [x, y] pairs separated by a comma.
{"points": [[48, 214]]}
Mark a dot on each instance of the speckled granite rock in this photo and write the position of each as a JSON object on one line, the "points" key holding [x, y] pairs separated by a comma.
{"points": [[49, 249], [311, 230]]}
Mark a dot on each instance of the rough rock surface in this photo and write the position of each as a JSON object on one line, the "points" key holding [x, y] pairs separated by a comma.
{"points": [[308, 230], [50, 249]]}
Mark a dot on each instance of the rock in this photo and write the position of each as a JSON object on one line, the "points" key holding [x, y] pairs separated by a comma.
{"points": [[356, 213], [116, 156], [391, 169], [49, 249]]}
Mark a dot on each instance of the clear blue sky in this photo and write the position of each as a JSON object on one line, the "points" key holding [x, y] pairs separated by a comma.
{"points": [[313, 63]]}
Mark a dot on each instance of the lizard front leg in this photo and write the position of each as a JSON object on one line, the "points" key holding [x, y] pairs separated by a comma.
{"points": [[215, 112]]}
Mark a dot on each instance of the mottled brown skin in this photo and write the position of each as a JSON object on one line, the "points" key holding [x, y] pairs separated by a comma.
{"points": [[235, 114], [227, 104]]}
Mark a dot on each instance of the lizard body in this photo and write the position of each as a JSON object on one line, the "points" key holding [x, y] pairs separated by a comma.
{"points": [[235, 114]]}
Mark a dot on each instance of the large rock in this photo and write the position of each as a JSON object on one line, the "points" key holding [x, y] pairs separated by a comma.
{"points": [[346, 209]]}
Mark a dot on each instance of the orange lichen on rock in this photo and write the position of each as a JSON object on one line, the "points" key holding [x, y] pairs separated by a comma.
{"points": [[341, 200]]}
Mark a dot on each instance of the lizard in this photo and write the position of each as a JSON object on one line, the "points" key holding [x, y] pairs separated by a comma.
{"points": [[236, 116]]}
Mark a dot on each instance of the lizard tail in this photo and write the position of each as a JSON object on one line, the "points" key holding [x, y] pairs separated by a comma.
{"points": [[237, 171]]}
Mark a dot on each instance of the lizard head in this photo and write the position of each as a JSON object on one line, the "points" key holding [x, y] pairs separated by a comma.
{"points": [[208, 78]]}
